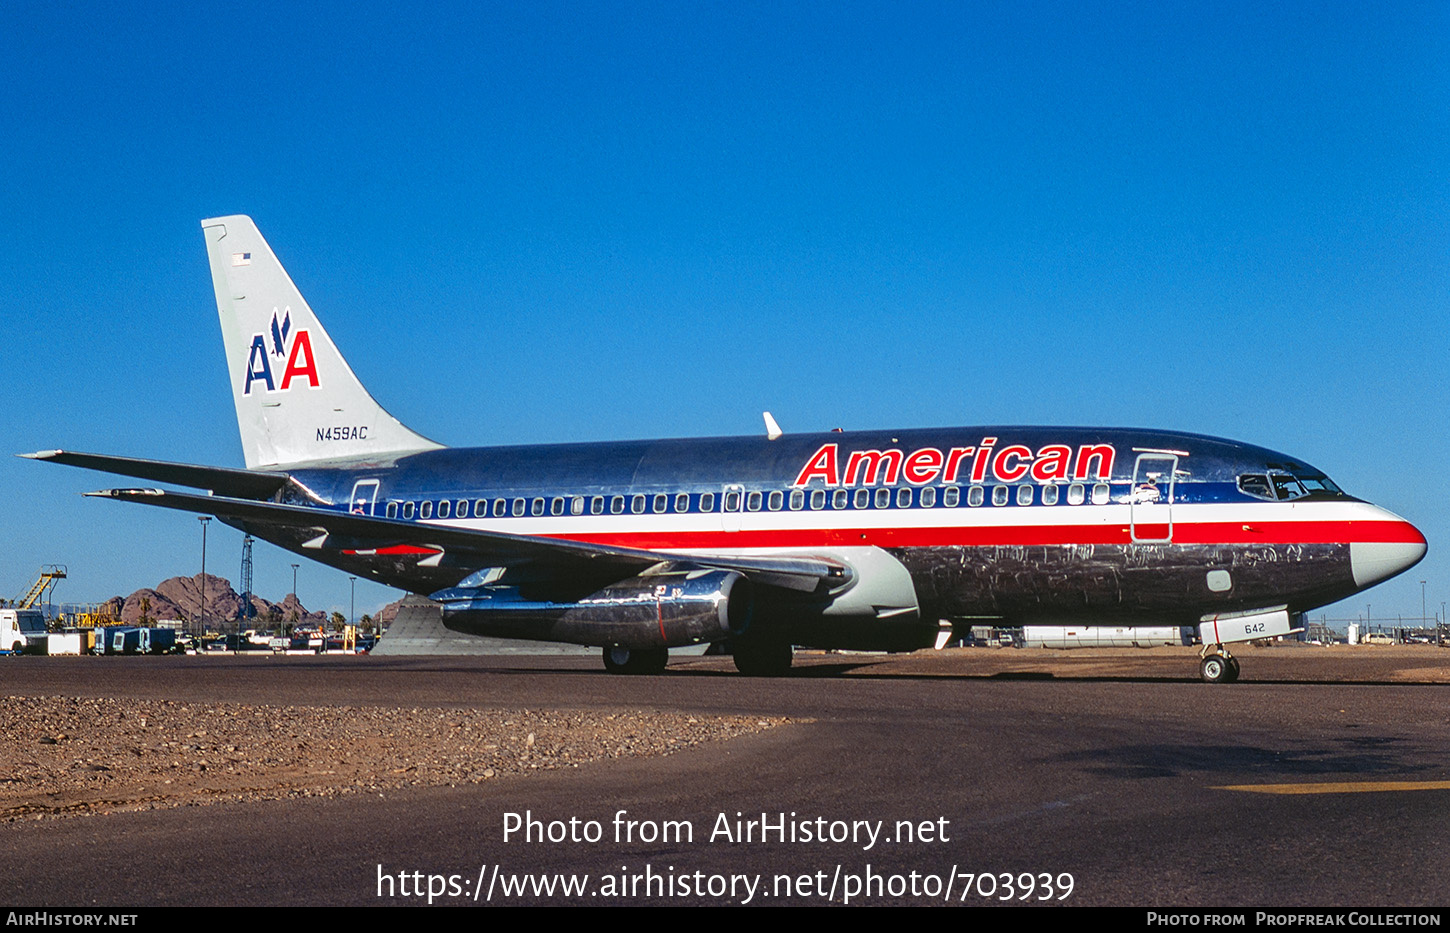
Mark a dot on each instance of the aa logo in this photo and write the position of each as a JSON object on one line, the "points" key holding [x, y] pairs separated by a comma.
{"points": [[297, 351]]}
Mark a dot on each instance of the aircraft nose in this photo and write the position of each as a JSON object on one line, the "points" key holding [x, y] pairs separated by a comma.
{"points": [[1399, 547]]}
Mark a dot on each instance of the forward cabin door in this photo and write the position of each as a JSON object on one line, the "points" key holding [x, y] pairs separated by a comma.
{"points": [[1151, 501]]}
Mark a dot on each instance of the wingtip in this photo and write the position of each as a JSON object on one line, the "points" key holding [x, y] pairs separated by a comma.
{"points": [[42, 455]]}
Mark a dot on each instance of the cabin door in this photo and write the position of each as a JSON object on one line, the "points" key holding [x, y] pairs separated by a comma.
{"points": [[1151, 500], [364, 497]]}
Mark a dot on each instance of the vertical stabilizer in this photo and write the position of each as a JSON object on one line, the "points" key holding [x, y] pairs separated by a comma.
{"points": [[297, 399]]}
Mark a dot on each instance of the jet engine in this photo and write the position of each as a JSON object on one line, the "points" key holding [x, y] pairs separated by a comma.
{"points": [[670, 609]]}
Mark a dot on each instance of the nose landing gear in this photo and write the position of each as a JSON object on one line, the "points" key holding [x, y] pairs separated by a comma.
{"points": [[1217, 666]]}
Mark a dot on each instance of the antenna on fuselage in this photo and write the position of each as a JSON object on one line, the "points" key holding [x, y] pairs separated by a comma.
{"points": [[772, 430]]}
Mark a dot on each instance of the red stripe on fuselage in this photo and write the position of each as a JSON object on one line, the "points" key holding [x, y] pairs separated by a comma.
{"points": [[1195, 533]]}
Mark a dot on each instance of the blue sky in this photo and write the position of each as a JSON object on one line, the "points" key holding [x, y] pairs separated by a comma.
{"points": [[545, 222]]}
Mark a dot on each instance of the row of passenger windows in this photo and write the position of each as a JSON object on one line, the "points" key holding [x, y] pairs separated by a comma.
{"points": [[797, 499]]}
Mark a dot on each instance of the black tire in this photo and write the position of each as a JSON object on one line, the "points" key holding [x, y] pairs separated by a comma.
{"points": [[1233, 671], [762, 659], [619, 660], [1215, 669]]}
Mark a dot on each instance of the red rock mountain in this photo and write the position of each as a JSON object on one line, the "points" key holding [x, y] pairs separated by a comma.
{"points": [[180, 597]]}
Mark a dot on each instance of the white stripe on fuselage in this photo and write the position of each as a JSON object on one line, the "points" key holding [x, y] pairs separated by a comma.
{"points": [[984, 516]]}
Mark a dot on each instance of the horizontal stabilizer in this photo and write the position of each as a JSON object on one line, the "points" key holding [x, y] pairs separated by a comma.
{"points": [[242, 484]]}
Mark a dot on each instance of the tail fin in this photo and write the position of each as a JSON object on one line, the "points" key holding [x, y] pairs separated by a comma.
{"points": [[297, 399]]}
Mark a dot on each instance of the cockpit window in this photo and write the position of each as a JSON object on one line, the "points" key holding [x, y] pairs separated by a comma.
{"points": [[1256, 484], [1287, 487], [1280, 486], [1320, 483]]}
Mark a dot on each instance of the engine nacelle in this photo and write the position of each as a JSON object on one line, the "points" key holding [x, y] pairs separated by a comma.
{"points": [[659, 610]]}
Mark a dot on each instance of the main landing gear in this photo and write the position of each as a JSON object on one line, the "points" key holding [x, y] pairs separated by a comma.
{"points": [[757, 657], [1217, 665], [619, 660]]}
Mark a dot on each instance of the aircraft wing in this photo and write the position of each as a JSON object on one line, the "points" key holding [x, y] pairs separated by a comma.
{"points": [[470, 549]]}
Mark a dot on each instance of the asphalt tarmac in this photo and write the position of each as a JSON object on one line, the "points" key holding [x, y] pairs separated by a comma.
{"points": [[974, 776]]}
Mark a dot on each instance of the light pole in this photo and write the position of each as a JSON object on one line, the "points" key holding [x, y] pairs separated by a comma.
{"points": [[352, 608], [297, 602], [201, 609]]}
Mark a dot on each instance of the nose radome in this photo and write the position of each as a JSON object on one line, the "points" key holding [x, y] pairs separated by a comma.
{"points": [[1373, 561]]}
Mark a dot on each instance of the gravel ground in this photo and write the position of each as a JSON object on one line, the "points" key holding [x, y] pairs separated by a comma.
{"points": [[71, 755]]}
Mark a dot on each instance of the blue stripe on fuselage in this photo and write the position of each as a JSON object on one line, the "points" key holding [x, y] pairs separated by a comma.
{"points": [[706, 465]]}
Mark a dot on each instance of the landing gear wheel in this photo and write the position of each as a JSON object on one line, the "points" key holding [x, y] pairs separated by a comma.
{"points": [[1217, 669], [619, 660], [1233, 671], [761, 658]]}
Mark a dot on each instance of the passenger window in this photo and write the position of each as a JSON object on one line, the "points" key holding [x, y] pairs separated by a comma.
{"points": [[392, 510], [1024, 494], [752, 501], [707, 502], [797, 500], [445, 508], [976, 496], [682, 502], [883, 498], [518, 506], [928, 497], [951, 497], [775, 500], [818, 498], [903, 498], [426, 509], [732, 501], [999, 495], [863, 498], [500, 508], [407, 510], [538, 507], [576, 506], [1100, 493], [556, 505], [616, 505], [839, 498], [661, 501], [1075, 494], [636, 505], [480, 508], [460, 508], [1049, 495], [596, 505]]}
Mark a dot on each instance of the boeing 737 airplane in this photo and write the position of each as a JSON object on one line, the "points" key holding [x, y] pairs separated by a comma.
{"points": [[860, 540]]}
